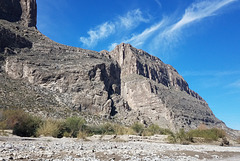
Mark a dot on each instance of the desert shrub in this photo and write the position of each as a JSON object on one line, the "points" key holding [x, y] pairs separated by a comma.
{"points": [[82, 134], [73, 125], [208, 134], [103, 129], [138, 128], [155, 129], [9, 118], [54, 128], [26, 125], [151, 130], [93, 130], [165, 131], [20, 122], [107, 129], [122, 130], [180, 137], [183, 137], [172, 138]]}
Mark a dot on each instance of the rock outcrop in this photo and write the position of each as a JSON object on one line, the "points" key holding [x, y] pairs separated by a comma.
{"points": [[29, 12], [126, 84], [24, 11]]}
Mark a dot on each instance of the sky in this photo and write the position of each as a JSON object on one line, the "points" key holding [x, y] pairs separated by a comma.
{"points": [[199, 38]]}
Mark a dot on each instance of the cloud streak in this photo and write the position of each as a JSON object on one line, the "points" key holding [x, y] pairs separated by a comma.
{"points": [[159, 3], [100, 32], [168, 33], [123, 23], [159, 36], [199, 11], [235, 84]]}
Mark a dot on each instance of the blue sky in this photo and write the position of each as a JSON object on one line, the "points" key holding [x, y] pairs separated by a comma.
{"points": [[200, 38]]}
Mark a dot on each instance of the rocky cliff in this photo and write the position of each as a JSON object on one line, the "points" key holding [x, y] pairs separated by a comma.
{"points": [[126, 84]]}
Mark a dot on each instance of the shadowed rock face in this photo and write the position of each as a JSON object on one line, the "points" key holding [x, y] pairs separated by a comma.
{"points": [[126, 84], [10, 10], [19, 10]]}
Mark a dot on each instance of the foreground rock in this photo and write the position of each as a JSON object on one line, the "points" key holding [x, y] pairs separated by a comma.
{"points": [[15, 148]]}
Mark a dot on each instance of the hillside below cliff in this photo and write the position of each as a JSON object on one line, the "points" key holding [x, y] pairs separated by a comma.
{"points": [[125, 84]]}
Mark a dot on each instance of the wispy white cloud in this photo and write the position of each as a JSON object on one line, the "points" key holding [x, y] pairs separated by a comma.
{"points": [[200, 10], [159, 3], [168, 31], [112, 46], [132, 19], [140, 39], [235, 84], [122, 23], [100, 32], [162, 35]]}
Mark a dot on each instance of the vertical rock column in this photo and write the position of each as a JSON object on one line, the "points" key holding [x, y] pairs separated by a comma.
{"points": [[29, 13]]}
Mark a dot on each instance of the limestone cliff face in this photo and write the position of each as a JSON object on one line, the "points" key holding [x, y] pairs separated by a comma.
{"points": [[19, 10], [135, 61], [156, 93], [126, 84]]}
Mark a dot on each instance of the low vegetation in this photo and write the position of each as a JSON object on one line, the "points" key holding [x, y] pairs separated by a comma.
{"points": [[207, 135], [26, 125]]}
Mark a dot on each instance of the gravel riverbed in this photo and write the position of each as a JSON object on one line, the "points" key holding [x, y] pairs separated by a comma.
{"points": [[53, 149]]}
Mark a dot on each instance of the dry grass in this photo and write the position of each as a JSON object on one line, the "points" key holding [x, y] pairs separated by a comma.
{"points": [[121, 130], [82, 135], [50, 128]]}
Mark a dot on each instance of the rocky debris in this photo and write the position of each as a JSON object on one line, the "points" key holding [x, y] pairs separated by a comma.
{"points": [[73, 149]]}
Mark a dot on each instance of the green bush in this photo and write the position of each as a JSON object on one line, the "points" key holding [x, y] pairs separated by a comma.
{"points": [[208, 134], [26, 125], [73, 125], [138, 128], [122, 130], [20, 122], [103, 129], [107, 129], [172, 138], [153, 129], [165, 131]]}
